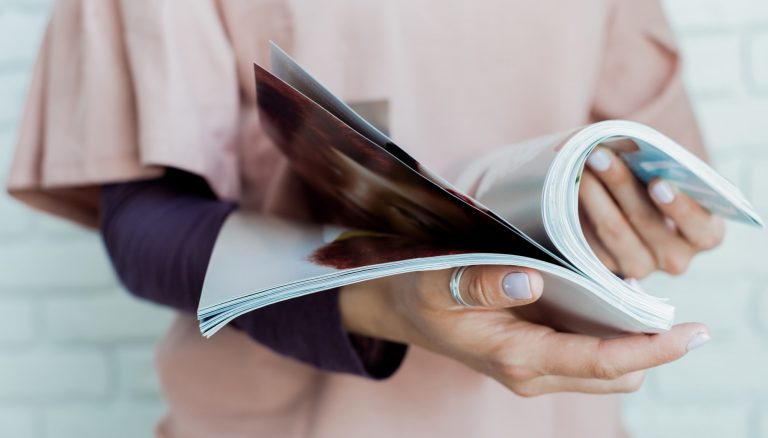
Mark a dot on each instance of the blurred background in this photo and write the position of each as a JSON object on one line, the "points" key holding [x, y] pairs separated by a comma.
{"points": [[76, 352]]}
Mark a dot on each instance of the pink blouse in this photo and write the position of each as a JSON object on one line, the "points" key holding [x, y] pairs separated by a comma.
{"points": [[122, 89]]}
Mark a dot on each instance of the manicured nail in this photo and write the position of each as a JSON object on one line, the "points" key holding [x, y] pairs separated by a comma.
{"points": [[698, 340], [663, 192], [671, 225], [633, 283], [599, 160], [517, 286]]}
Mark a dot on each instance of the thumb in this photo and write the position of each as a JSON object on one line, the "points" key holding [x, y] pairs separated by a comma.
{"points": [[500, 286]]}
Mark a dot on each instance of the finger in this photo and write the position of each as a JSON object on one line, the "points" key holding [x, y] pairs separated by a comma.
{"points": [[671, 251], [500, 287], [589, 357], [702, 229], [550, 384], [622, 185], [613, 229], [596, 245]]}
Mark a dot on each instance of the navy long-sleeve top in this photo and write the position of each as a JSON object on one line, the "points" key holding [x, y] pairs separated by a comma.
{"points": [[160, 234]]}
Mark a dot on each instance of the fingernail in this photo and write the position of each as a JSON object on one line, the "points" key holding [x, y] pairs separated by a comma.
{"points": [[633, 283], [698, 340], [663, 192], [517, 286], [671, 225], [599, 160]]}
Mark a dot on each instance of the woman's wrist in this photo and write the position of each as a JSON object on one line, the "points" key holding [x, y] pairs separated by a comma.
{"points": [[368, 309]]}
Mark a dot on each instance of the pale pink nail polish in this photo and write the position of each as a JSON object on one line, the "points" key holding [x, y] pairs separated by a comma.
{"points": [[633, 283], [517, 286], [599, 161], [663, 192], [671, 225], [698, 340]]}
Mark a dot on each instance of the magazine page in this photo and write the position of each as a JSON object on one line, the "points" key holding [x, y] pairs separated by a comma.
{"points": [[257, 243], [649, 154], [241, 274], [302, 86], [649, 162], [365, 187], [510, 182]]}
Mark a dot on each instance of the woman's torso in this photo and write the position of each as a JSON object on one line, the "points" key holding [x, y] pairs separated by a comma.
{"points": [[459, 78]]}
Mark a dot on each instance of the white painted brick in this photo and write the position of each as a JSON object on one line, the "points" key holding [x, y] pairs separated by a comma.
{"points": [[111, 316], [15, 220], [7, 141], [759, 186], [52, 265], [687, 13], [137, 372], [758, 53], [658, 420], [735, 256], [712, 300], [757, 11], [725, 304], [708, 14], [734, 123], [53, 374], [12, 91], [760, 313], [713, 64], [40, 7], [763, 422], [17, 423], [20, 33], [727, 369], [122, 420], [17, 324], [59, 228]]}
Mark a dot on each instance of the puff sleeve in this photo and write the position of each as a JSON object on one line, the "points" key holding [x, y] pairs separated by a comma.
{"points": [[120, 91], [641, 74]]}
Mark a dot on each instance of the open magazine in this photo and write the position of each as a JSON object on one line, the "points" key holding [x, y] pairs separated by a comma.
{"points": [[389, 214]]}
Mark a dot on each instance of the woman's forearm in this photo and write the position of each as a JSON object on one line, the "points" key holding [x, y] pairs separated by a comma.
{"points": [[160, 235]]}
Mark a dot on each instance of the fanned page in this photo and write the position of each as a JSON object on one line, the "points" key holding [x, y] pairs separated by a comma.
{"points": [[716, 194], [313, 93], [363, 186], [510, 182], [386, 214], [243, 273]]}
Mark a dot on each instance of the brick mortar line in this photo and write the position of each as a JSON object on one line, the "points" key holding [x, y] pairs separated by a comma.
{"points": [[695, 30]]}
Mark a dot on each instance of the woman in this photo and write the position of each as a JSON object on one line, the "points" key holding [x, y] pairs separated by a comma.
{"points": [[141, 120]]}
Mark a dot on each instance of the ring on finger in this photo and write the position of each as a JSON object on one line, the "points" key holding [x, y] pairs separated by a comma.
{"points": [[453, 285]]}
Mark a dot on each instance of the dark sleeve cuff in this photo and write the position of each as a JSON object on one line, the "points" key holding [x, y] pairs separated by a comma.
{"points": [[309, 329], [159, 235]]}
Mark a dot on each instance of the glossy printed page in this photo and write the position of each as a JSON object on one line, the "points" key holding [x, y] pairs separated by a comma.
{"points": [[649, 162], [363, 186], [510, 182], [289, 71], [241, 275], [256, 244]]}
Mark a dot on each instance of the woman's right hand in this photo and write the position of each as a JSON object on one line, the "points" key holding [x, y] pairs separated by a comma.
{"points": [[528, 358]]}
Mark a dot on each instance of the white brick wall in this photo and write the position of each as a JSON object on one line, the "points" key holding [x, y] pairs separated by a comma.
{"points": [[76, 352], [758, 57], [720, 390]]}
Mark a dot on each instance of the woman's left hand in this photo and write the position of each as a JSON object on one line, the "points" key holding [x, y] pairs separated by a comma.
{"points": [[636, 230]]}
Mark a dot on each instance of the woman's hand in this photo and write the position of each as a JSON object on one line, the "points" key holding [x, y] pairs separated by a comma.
{"points": [[635, 231], [528, 358]]}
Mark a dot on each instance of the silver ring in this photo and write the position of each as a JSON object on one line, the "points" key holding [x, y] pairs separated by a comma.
{"points": [[454, 286]]}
